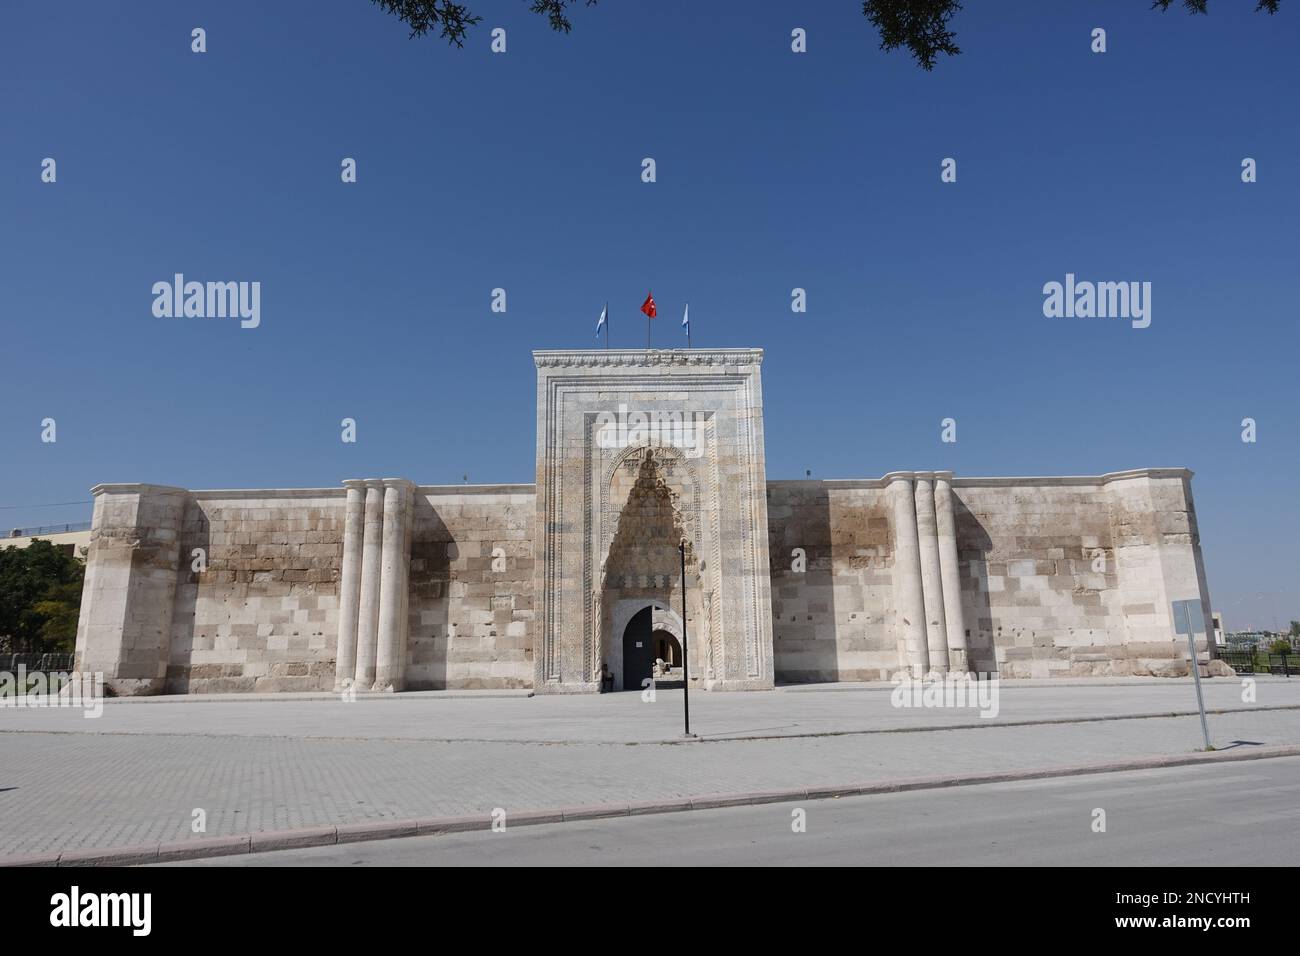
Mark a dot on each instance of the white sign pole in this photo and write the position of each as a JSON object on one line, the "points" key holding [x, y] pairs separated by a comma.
{"points": [[1186, 613]]}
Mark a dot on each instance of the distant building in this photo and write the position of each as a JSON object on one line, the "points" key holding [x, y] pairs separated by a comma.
{"points": [[1258, 639], [71, 539]]}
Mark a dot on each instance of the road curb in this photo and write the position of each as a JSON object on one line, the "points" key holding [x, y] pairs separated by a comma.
{"points": [[397, 829], [298, 697]]}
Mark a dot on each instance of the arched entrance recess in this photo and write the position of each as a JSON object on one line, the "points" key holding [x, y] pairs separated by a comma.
{"points": [[662, 619]]}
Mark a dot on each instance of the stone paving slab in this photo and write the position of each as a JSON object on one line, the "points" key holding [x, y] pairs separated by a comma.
{"points": [[625, 718], [313, 837], [75, 789], [1162, 815]]}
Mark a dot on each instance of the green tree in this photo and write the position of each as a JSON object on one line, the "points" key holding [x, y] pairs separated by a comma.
{"points": [[40, 598], [919, 25], [1295, 628], [922, 25], [453, 20]]}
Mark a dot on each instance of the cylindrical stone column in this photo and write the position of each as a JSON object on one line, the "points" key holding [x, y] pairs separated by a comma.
{"points": [[390, 663], [950, 572], [909, 602], [350, 583], [936, 627], [368, 610], [409, 523]]}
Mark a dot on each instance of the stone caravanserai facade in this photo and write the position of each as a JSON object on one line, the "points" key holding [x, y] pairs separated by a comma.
{"points": [[645, 458]]}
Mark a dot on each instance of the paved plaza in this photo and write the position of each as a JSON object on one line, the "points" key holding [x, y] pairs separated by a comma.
{"points": [[137, 774], [1171, 816]]}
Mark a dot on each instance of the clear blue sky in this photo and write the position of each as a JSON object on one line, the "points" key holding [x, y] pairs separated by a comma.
{"points": [[775, 170]]}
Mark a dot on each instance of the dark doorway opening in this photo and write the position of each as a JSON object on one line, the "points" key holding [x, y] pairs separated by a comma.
{"points": [[638, 650]]}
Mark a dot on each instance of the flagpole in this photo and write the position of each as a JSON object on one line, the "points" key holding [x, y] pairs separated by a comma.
{"points": [[688, 325], [647, 324], [606, 323]]}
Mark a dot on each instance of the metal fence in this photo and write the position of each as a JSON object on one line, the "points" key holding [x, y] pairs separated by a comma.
{"points": [[1241, 661], [1252, 661], [36, 663]]}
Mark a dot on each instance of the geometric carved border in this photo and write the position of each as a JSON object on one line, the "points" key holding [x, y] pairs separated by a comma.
{"points": [[600, 535], [750, 496]]}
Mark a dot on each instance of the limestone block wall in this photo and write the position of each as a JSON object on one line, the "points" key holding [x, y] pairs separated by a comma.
{"points": [[238, 591], [831, 614], [217, 591], [263, 616], [1158, 554], [124, 628], [1075, 576], [1053, 576], [471, 613], [1041, 587]]}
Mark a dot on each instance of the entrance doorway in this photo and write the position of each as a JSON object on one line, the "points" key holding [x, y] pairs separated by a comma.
{"points": [[667, 649], [638, 649]]}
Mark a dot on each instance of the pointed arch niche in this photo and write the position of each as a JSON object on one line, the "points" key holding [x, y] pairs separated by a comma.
{"points": [[651, 500]]}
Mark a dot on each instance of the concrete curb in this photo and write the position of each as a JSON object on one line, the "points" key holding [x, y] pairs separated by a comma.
{"points": [[1029, 683], [291, 839], [208, 846], [397, 829], [297, 697], [981, 724]]}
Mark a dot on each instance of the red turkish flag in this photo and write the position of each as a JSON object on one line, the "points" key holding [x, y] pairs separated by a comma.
{"points": [[648, 306]]}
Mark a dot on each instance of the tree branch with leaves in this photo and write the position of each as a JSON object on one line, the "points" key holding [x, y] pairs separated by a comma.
{"points": [[453, 20], [919, 25]]}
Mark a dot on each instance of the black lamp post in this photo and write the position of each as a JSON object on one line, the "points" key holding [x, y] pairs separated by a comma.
{"points": [[686, 667]]}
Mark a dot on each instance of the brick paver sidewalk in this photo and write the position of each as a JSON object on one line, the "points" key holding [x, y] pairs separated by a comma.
{"points": [[137, 774]]}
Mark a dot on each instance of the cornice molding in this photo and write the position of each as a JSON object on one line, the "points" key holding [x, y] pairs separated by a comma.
{"points": [[645, 358], [1008, 481], [136, 488]]}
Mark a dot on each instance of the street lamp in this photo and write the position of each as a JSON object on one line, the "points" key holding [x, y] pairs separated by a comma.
{"points": [[686, 658]]}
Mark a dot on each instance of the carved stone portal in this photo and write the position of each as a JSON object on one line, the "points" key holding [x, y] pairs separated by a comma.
{"points": [[638, 451]]}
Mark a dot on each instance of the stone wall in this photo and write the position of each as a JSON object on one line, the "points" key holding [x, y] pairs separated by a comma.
{"points": [[832, 619], [1075, 576], [238, 591], [219, 591], [1057, 576], [1040, 579], [129, 593], [264, 614], [471, 614]]}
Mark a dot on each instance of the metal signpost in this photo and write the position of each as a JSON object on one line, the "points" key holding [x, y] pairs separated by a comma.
{"points": [[1189, 619]]}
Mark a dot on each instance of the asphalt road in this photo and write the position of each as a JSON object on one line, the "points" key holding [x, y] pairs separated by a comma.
{"points": [[1238, 814]]}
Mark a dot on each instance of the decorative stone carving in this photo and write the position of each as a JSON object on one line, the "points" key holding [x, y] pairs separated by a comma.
{"points": [[712, 483]]}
